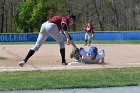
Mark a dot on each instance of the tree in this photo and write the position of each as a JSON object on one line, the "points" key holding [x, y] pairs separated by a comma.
{"points": [[2, 15], [33, 13]]}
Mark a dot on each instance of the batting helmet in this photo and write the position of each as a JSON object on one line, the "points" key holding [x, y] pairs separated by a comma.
{"points": [[93, 50]]}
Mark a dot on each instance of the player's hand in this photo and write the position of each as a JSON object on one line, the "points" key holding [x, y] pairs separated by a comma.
{"points": [[68, 41]]}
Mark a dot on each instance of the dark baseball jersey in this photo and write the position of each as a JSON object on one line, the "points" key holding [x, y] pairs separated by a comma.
{"points": [[88, 28], [59, 20]]}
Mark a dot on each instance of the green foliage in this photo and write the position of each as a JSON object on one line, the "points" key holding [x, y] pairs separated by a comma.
{"points": [[33, 13], [109, 2]]}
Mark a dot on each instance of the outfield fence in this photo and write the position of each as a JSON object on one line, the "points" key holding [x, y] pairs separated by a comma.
{"points": [[76, 36]]}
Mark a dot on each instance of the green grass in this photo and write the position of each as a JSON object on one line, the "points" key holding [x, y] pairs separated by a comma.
{"points": [[111, 42], [3, 58], [69, 79], [82, 42]]}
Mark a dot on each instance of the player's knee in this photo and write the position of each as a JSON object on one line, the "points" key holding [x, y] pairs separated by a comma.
{"points": [[35, 48]]}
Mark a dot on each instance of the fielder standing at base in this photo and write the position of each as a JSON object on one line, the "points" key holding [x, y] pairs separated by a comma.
{"points": [[89, 33], [53, 27]]}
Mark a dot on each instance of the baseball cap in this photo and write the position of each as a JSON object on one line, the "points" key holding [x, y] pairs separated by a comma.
{"points": [[92, 50], [73, 16], [90, 21]]}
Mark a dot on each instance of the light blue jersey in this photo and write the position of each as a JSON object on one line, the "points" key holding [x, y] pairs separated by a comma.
{"points": [[85, 56]]}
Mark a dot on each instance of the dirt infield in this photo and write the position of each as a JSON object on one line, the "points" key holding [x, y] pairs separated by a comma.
{"points": [[48, 57]]}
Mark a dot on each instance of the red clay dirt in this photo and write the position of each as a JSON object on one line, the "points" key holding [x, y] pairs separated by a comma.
{"points": [[48, 57]]}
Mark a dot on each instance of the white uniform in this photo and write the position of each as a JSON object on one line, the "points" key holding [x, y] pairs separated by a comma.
{"points": [[89, 31], [88, 36], [99, 57], [47, 29]]}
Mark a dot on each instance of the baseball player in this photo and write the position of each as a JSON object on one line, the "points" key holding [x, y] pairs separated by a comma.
{"points": [[90, 57], [52, 27], [89, 33]]}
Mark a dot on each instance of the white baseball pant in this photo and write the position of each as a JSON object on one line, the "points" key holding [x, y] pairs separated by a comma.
{"points": [[47, 29]]}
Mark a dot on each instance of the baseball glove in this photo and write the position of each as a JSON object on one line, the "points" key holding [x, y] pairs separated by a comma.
{"points": [[75, 54]]}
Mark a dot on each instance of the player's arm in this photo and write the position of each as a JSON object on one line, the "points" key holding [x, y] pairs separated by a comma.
{"points": [[69, 38], [85, 28]]}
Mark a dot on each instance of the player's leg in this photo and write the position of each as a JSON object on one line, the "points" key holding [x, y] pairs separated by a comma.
{"points": [[102, 55], [89, 38], [89, 42], [40, 40], [86, 39], [62, 52], [56, 35], [58, 38]]}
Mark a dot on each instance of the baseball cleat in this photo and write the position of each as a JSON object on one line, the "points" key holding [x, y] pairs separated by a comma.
{"points": [[21, 63], [85, 44], [65, 64]]}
